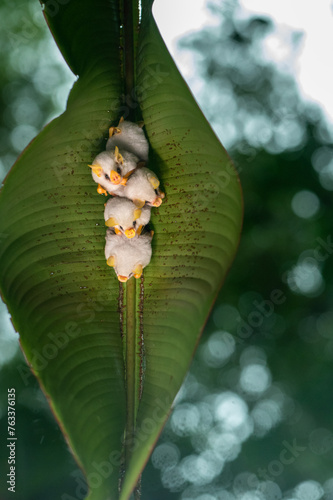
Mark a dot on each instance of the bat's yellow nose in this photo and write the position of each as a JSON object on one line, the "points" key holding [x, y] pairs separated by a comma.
{"points": [[130, 233], [115, 177], [122, 278]]}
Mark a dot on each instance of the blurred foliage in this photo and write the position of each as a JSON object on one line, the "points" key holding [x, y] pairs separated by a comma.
{"points": [[34, 81], [254, 417], [44, 466], [34, 84]]}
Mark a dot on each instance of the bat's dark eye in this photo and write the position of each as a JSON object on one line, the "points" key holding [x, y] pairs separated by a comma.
{"points": [[119, 170], [134, 223], [121, 228], [107, 177]]}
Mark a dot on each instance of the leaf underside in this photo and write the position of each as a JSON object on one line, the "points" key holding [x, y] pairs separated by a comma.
{"points": [[73, 318]]}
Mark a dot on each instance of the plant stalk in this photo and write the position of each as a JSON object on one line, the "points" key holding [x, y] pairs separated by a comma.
{"points": [[131, 362], [132, 335], [129, 27]]}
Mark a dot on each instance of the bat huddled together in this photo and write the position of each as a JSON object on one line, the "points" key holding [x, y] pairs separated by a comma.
{"points": [[120, 171]]}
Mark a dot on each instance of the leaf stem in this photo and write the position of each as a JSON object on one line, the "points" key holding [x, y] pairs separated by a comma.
{"points": [[130, 360], [130, 20], [132, 340]]}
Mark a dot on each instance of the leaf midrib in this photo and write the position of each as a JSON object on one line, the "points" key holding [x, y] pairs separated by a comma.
{"points": [[131, 290]]}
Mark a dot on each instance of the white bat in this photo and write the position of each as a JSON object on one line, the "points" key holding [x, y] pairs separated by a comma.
{"points": [[125, 217], [142, 187], [110, 170], [130, 137], [128, 257]]}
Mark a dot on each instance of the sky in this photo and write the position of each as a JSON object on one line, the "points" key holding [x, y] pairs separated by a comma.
{"points": [[310, 63]]}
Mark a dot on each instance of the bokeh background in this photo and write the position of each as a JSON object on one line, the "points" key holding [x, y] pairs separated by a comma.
{"points": [[253, 420]]}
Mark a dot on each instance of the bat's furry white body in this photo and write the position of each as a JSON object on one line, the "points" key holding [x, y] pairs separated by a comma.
{"points": [[128, 257], [142, 187], [130, 137]]}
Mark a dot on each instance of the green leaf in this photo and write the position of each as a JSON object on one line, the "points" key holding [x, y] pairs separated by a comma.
{"points": [[111, 358]]}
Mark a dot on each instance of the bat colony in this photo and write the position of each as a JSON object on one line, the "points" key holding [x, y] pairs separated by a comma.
{"points": [[120, 171]]}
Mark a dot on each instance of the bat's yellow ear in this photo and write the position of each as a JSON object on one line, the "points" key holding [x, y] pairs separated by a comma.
{"points": [[111, 261], [118, 156], [97, 169], [154, 181], [111, 222], [114, 131], [137, 213], [139, 203]]}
